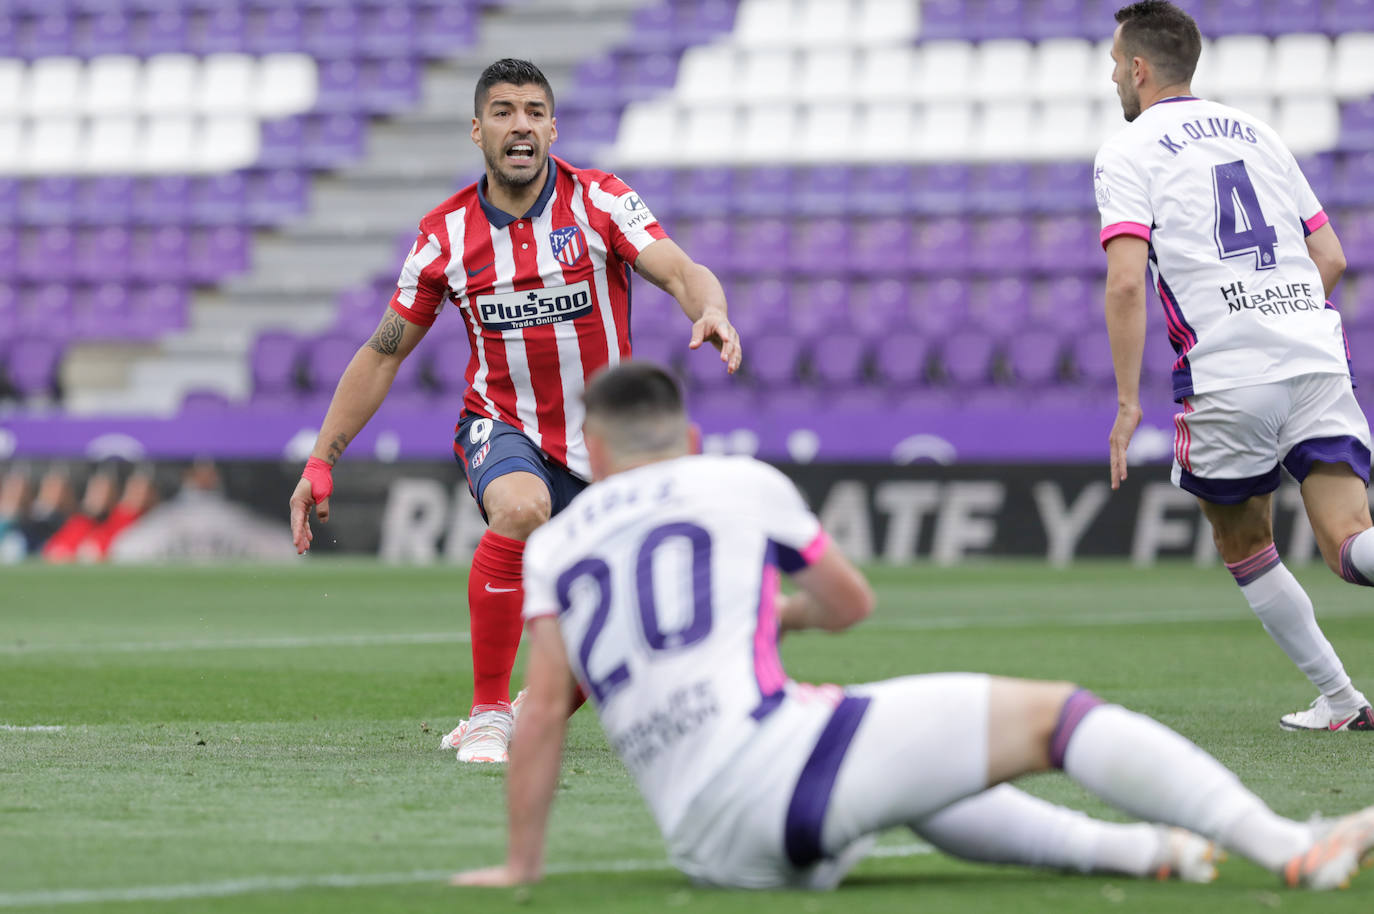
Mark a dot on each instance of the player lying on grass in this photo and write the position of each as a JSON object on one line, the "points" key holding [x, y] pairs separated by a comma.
{"points": [[656, 591], [1243, 257]]}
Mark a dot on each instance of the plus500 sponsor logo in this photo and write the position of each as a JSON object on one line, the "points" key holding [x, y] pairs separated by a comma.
{"points": [[515, 310]]}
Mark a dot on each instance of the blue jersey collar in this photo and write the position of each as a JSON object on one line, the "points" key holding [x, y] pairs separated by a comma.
{"points": [[502, 219]]}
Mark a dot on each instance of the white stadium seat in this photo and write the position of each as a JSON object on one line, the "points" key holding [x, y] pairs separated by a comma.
{"points": [[170, 84], [1302, 64], [1353, 72], [167, 144], [1064, 130], [1064, 68], [226, 144], [285, 84], [1308, 124], [765, 23], [226, 84], [54, 146], [13, 75], [768, 74], [112, 147], [828, 73], [893, 129], [648, 133], [54, 87], [825, 22], [1240, 64], [829, 132], [880, 22], [111, 84], [944, 70], [708, 72], [945, 131], [1260, 107], [886, 73], [1001, 130], [11, 144], [768, 134], [1002, 69]]}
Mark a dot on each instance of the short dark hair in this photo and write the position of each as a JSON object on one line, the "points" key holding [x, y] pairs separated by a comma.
{"points": [[633, 390], [509, 70], [1164, 35]]}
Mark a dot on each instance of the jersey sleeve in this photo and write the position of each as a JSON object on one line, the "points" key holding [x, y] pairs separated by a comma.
{"points": [[540, 599], [422, 286], [1123, 198], [1309, 207], [632, 226], [794, 531]]}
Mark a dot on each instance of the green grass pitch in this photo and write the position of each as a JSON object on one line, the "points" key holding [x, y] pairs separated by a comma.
{"points": [[265, 739]]}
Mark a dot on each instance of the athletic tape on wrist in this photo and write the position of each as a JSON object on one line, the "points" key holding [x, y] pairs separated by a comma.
{"points": [[321, 476]]}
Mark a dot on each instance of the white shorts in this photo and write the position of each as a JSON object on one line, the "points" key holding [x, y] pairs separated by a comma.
{"points": [[1228, 444], [800, 805]]}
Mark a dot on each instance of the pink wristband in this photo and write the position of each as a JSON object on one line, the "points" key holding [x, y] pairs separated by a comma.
{"points": [[321, 476]]}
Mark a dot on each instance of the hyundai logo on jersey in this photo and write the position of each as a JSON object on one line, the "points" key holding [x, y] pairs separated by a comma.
{"points": [[568, 245]]}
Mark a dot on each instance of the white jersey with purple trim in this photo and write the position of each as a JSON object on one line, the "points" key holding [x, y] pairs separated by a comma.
{"points": [[1225, 208], [664, 580]]}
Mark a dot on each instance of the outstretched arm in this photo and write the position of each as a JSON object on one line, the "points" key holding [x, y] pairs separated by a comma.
{"points": [[535, 755], [1125, 307], [361, 389], [699, 293]]}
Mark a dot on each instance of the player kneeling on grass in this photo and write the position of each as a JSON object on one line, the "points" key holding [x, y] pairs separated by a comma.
{"points": [[657, 590]]}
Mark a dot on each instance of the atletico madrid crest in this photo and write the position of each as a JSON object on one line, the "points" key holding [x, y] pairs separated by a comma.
{"points": [[568, 245]]}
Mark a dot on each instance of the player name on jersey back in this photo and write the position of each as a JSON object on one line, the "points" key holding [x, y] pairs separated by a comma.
{"points": [[535, 307]]}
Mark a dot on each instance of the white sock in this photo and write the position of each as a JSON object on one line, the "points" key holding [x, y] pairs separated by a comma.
{"points": [[1286, 612], [1357, 558], [1144, 768], [1007, 825]]}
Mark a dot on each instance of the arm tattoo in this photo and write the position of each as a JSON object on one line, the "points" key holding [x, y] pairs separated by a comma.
{"points": [[336, 448], [387, 338]]}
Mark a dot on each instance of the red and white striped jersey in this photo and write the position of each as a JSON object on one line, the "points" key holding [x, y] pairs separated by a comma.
{"points": [[545, 296]]}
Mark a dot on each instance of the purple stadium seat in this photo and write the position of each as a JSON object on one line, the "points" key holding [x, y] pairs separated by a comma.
{"points": [[758, 246], [40, 251], [9, 36], [104, 201], [1099, 18], [272, 197], [882, 189], [985, 19], [332, 139], [326, 359], [443, 28], [161, 201], [388, 85], [272, 30], [943, 19], [773, 360], [1092, 360], [218, 200], [9, 199], [649, 73], [283, 142], [661, 348], [100, 312], [824, 190], [819, 247], [409, 377], [759, 307], [941, 245], [706, 192], [1357, 237], [902, 360], [159, 254], [388, 31], [704, 370], [941, 189], [597, 80], [9, 310], [9, 254], [766, 190], [700, 22], [1320, 171], [938, 307], [102, 254], [47, 201], [1283, 16], [358, 308], [1064, 301], [1033, 358], [1055, 19], [1002, 187], [330, 31], [838, 361], [1065, 244], [1340, 16], [339, 86], [1000, 244], [41, 308], [655, 311], [878, 307], [708, 241], [46, 35], [1351, 181], [655, 187], [162, 32], [156, 310], [999, 308], [448, 367], [32, 365], [881, 246], [204, 401], [1060, 187], [655, 27], [217, 253], [217, 30], [99, 33], [818, 308], [1357, 125], [967, 358], [273, 362]]}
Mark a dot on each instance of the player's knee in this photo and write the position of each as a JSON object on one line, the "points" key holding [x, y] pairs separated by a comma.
{"points": [[519, 516]]}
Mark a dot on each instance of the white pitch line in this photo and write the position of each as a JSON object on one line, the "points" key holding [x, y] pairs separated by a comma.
{"points": [[32, 728], [252, 884], [228, 644]]}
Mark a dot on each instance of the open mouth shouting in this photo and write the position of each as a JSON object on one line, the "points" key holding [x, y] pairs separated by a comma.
{"points": [[520, 154]]}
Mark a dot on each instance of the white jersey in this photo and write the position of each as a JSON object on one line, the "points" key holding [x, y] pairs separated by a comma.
{"points": [[664, 579], [1225, 208]]}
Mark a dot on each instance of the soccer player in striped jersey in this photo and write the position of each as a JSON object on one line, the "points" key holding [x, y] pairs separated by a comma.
{"points": [[535, 257], [665, 609], [1244, 258]]}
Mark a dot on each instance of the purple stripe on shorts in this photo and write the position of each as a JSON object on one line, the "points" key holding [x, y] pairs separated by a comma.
{"points": [[1072, 714], [811, 796], [1344, 449], [1247, 570], [1230, 491], [1348, 570]]}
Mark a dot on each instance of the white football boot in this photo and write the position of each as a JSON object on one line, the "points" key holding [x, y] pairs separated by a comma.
{"points": [[1321, 716], [486, 737], [1186, 857], [454, 737], [1335, 857]]}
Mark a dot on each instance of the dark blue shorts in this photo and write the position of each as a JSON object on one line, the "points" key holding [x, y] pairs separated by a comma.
{"points": [[486, 449]]}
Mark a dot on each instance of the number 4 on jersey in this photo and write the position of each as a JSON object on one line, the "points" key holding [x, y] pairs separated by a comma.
{"points": [[1240, 226]]}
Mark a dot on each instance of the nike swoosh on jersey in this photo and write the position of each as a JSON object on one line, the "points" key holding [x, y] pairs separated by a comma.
{"points": [[472, 273], [491, 589]]}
